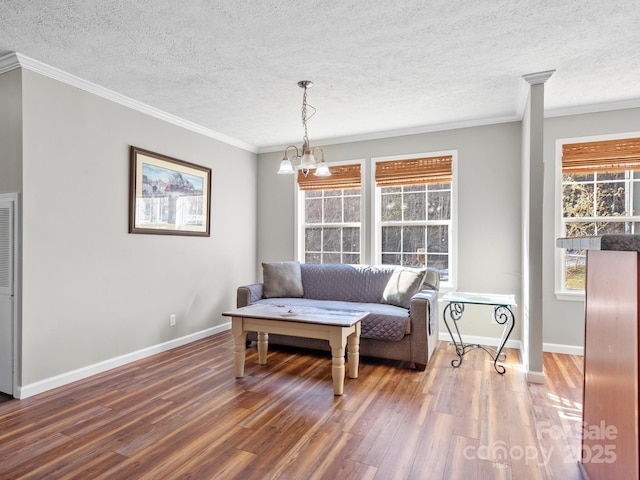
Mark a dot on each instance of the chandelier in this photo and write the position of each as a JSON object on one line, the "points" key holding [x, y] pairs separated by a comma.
{"points": [[307, 160]]}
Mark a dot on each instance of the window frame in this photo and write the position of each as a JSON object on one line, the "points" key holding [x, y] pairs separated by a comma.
{"points": [[452, 283], [300, 213], [561, 292]]}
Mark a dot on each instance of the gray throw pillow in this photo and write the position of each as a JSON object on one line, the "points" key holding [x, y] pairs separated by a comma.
{"points": [[403, 284], [282, 279]]}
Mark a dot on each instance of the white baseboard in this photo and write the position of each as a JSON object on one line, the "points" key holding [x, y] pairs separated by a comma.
{"points": [[559, 348], [41, 386], [532, 377], [25, 391], [535, 377], [491, 341]]}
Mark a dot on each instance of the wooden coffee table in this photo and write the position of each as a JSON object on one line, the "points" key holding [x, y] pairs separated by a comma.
{"points": [[340, 327]]}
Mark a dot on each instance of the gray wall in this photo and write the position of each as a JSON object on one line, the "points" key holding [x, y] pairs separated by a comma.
{"points": [[564, 319], [489, 164], [489, 216], [92, 291], [11, 131]]}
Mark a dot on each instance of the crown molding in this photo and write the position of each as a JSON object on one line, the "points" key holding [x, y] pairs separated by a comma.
{"points": [[439, 127], [9, 62], [16, 60], [549, 113], [592, 108]]}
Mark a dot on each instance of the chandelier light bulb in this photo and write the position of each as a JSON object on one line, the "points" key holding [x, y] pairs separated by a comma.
{"points": [[286, 167], [308, 161], [322, 170]]}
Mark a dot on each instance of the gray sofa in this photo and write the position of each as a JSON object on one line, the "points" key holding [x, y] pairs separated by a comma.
{"points": [[403, 302]]}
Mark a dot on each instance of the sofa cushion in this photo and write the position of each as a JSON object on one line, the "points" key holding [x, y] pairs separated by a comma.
{"points": [[404, 283], [282, 279], [431, 279], [348, 283], [385, 322]]}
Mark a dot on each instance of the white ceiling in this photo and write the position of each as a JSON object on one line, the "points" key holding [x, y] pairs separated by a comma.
{"points": [[232, 66]]}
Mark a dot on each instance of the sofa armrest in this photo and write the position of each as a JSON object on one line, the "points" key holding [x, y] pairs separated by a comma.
{"points": [[248, 294], [424, 326], [431, 298]]}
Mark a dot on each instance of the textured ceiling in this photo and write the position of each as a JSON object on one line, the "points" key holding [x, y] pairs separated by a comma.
{"points": [[232, 66]]}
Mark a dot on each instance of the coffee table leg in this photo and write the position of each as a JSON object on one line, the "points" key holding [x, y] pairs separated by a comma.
{"points": [[353, 352], [263, 345], [239, 345], [337, 342]]}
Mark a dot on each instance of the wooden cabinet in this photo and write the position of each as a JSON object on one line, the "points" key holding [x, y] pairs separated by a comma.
{"points": [[610, 446]]}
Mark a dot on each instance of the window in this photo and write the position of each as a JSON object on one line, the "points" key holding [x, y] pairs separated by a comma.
{"points": [[330, 213], [600, 195], [414, 213]]}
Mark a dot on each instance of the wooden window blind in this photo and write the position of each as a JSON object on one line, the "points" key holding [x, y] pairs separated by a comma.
{"points": [[342, 176], [604, 156], [394, 173]]}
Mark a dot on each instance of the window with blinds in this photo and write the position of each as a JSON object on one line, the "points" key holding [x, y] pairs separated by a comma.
{"points": [[331, 215], [414, 171], [342, 176], [604, 156], [414, 214], [600, 195]]}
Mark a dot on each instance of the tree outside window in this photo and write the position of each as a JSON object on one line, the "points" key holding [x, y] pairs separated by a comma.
{"points": [[415, 222], [332, 226], [596, 203], [600, 195]]}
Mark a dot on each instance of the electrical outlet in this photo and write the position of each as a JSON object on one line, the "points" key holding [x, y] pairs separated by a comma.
{"points": [[172, 320]]}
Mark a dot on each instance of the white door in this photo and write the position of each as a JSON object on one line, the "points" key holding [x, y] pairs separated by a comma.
{"points": [[7, 250]]}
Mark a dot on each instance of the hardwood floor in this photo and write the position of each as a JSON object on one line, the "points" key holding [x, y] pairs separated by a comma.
{"points": [[182, 414]]}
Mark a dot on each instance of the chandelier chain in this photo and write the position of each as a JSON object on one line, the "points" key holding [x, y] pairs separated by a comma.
{"points": [[304, 115], [306, 157], [305, 118]]}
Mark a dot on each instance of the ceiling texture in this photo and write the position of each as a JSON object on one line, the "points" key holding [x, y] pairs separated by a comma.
{"points": [[379, 67]]}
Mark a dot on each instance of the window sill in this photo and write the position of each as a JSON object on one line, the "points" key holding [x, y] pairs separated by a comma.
{"points": [[570, 296], [447, 287]]}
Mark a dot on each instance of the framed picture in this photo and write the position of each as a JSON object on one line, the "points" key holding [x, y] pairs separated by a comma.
{"points": [[168, 196]]}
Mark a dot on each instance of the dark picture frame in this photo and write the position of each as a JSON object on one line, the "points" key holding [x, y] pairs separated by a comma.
{"points": [[168, 196]]}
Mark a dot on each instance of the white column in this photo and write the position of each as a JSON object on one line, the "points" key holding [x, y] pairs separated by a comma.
{"points": [[532, 234]]}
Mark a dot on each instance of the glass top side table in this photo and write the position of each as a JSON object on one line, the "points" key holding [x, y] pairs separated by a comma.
{"points": [[502, 314]]}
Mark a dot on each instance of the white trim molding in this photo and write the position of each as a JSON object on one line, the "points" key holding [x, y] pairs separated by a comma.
{"points": [[41, 386], [536, 377], [565, 349], [538, 77], [512, 343], [9, 62], [436, 127], [592, 108], [12, 61], [490, 341]]}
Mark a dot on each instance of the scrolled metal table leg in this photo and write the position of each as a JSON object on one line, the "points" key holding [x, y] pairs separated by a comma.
{"points": [[455, 311], [503, 315]]}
